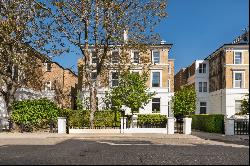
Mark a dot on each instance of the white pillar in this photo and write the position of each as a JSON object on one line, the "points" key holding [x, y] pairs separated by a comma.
{"points": [[123, 124], [187, 125], [170, 125], [134, 121], [229, 127], [61, 125]]}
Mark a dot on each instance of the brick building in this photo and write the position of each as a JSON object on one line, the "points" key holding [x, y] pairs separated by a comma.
{"points": [[221, 79], [161, 76]]}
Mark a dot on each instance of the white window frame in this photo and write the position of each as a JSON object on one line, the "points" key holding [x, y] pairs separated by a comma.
{"points": [[203, 106], [235, 105], [157, 103], [112, 56], [242, 59], [202, 87], [48, 87], [152, 71], [153, 56], [133, 55], [46, 66], [243, 79], [110, 78], [92, 57], [202, 68]]}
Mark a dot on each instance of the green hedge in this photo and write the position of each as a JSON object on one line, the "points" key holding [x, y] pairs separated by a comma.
{"points": [[208, 123], [34, 113], [154, 119], [105, 118]]}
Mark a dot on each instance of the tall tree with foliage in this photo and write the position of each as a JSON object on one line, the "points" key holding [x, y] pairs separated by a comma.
{"points": [[99, 26], [184, 101], [131, 91], [22, 31], [245, 105]]}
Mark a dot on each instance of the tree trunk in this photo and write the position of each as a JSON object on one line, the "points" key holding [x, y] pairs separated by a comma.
{"points": [[93, 105]]}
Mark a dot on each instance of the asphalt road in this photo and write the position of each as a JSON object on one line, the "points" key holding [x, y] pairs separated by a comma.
{"points": [[120, 152]]}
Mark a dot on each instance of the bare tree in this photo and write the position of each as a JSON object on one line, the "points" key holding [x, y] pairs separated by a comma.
{"points": [[99, 25]]}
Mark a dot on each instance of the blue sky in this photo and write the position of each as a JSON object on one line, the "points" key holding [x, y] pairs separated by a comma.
{"points": [[196, 28]]}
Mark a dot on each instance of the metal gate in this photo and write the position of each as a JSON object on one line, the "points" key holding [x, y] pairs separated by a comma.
{"points": [[241, 127], [178, 127]]}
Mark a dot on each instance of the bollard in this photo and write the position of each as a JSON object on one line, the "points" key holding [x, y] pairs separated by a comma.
{"points": [[170, 125], [61, 125]]}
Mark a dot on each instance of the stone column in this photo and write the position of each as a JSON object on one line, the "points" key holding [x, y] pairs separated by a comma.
{"points": [[170, 125], [229, 127], [187, 125], [61, 125], [123, 124]]}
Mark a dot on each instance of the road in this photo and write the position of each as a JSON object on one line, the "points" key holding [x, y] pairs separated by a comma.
{"points": [[121, 151]]}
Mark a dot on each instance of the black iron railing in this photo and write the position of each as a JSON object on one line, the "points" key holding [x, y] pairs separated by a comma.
{"points": [[178, 127], [241, 127]]}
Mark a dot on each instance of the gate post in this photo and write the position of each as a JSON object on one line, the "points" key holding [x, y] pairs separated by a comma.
{"points": [[187, 125], [170, 126], [123, 124], [229, 127], [61, 125]]}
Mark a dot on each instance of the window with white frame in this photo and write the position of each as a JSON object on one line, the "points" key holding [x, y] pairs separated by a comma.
{"points": [[169, 68], [114, 79], [238, 80], [156, 104], [203, 107], [202, 86], [202, 68], [48, 66], [136, 58], [237, 57], [48, 86], [94, 57], [156, 56], [237, 106], [115, 56], [156, 79]]}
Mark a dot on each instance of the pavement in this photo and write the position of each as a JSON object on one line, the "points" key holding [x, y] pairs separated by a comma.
{"points": [[122, 149]]}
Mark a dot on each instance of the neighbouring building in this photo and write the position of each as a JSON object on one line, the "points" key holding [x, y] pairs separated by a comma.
{"points": [[161, 77], [221, 80], [57, 84]]}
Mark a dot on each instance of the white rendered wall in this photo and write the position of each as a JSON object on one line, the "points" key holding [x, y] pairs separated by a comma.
{"points": [[201, 77], [231, 96], [161, 93]]}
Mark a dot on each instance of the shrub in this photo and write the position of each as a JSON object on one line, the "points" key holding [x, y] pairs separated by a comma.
{"points": [[208, 123], [34, 113], [105, 118], [154, 119]]}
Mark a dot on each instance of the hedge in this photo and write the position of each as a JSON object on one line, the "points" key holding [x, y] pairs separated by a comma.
{"points": [[152, 119], [37, 113], [102, 119], [208, 123]]}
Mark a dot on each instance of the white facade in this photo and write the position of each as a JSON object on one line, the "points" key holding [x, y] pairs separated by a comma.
{"points": [[224, 101], [162, 93]]}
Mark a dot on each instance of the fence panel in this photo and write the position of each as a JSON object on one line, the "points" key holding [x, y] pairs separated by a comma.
{"points": [[241, 127]]}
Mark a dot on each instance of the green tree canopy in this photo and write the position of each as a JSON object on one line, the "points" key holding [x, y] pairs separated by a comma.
{"points": [[131, 92], [184, 101]]}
